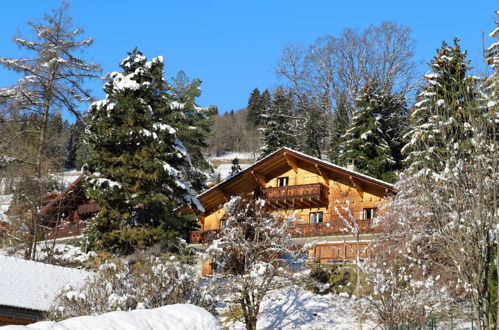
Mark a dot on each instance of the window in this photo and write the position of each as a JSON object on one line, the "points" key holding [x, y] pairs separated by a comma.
{"points": [[369, 213], [223, 223], [282, 182], [316, 217]]}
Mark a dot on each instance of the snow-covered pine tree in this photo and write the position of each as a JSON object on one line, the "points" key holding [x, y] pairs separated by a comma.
{"points": [[194, 125], [442, 109], [280, 123], [365, 142], [137, 164]]}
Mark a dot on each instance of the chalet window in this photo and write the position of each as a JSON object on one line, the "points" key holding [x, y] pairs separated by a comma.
{"points": [[369, 213], [282, 182], [316, 217]]}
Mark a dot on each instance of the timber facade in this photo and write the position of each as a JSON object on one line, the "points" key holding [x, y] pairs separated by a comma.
{"points": [[317, 192]]}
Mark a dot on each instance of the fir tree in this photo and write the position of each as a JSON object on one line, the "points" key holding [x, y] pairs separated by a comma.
{"points": [[235, 168], [442, 111], [315, 128], [340, 125], [365, 140], [254, 109], [194, 125], [137, 164], [279, 123]]}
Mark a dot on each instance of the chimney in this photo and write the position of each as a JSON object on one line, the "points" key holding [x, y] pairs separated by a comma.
{"points": [[351, 166]]}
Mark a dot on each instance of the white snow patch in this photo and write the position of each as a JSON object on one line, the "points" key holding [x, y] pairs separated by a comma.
{"points": [[297, 308], [34, 285], [170, 317]]}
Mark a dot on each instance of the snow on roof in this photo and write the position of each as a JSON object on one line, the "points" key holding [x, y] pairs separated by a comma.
{"points": [[170, 317], [34, 285]]}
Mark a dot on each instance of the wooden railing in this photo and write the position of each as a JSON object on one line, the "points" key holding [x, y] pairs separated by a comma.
{"points": [[91, 207], [329, 228], [66, 229], [314, 190], [299, 230]]}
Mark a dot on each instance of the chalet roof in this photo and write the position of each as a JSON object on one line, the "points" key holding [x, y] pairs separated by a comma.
{"points": [[34, 285], [279, 162]]}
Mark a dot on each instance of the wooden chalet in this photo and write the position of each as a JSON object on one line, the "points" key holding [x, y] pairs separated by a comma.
{"points": [[65, 215], [312, 189]]}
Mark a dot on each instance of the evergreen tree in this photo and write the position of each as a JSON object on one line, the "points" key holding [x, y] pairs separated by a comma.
{"points": [[235, 168], [279, 123], [75, 148], [194, 125], [254, 109], [340, 125], [365, 141], [315, 128], [137, 164], [442, 110]]}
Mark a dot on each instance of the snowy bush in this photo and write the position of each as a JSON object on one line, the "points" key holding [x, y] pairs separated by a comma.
{"points": [[150, 282], [249, 254]]}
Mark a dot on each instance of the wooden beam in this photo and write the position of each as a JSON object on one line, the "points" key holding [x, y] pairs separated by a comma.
{"points": [[260, 179], [226, 196], [323, 173], [358, 185], [292, 162]]}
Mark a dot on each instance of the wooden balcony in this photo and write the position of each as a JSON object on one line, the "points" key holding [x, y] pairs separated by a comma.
{"points": [[299, 231], [303, 195], [329, 228], [88, 208]]}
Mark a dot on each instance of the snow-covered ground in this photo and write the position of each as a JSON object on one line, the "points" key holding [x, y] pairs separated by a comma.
{"points": [[296, 308], [171, 317], [242, 156]]}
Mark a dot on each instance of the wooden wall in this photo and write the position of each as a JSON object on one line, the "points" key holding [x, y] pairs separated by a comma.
{"points": [[341, 193]]}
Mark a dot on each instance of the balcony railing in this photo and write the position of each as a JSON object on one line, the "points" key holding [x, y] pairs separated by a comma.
{"points": [[299, 230], [329, 228], [88, 208], [314, 191]]}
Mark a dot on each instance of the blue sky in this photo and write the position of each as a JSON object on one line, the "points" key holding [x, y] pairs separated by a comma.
{"points": [[234, 45]]}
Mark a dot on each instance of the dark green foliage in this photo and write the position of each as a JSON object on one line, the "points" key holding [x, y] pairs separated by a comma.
{"points": [[280, 123], [194, 125], [254, 110], [444, 106], [315, 129], [332, 278], [137, 164], [75, 148], [235, 168], [340, 125], [372, 141]]}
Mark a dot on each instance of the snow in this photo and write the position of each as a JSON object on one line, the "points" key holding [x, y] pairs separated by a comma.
{"points": [[170, 317], [296, 308], [34, 285], [231, 155]]}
